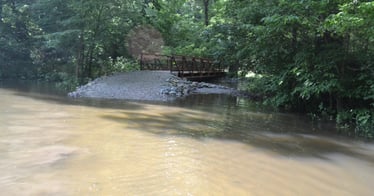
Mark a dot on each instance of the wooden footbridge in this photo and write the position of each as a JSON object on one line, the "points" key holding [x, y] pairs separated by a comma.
{"points": [[191, 68]]}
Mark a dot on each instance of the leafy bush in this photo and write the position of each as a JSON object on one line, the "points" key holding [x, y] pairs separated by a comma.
{"points": [[120, 64], [66, 82], [63, 80], [193, 49], [53, 76], [361, 119], [365, 123], [259, 86]]}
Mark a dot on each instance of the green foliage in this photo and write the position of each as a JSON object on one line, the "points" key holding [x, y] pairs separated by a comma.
{"points": [[66, 81], [183, 25], [317, 56], [78, 37], [260, 86], [45, 37], [17, 31], [191, 50], [363, 119], [120, 64]]}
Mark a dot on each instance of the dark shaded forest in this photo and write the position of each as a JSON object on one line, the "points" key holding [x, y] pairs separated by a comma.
{"points": [[311, 56]]}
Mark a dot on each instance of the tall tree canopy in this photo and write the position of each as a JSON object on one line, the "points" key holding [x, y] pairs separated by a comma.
{"points": [[314, 56]]}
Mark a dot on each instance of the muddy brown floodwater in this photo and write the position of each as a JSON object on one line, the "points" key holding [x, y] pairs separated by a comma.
{"points": [[51, 145]]}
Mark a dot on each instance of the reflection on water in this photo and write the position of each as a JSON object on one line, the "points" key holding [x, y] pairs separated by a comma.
{"points": [[201, 146]]}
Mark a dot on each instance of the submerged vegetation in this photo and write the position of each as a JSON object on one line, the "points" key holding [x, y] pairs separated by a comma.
{"points": [[313, 56]]}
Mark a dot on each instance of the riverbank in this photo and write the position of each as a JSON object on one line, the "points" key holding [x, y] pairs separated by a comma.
{"points": [[146, 86]]}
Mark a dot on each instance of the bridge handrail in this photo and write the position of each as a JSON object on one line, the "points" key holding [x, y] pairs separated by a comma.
{"points": [[180, 64]]}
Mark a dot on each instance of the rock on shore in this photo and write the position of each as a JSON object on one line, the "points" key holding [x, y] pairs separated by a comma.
{"points": [[146, 86]]}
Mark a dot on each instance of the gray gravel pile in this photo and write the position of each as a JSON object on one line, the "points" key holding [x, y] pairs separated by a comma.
{"points": [[145, 85]]}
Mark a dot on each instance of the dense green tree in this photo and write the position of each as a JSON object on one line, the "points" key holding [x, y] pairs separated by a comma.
{"points": [[63, 40], [314, 56], [85, 34], [17, 41], [183, 24]]}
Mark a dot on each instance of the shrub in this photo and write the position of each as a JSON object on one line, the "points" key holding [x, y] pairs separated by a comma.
{"points": [[121, 64], [66, 82], [362, 120]]}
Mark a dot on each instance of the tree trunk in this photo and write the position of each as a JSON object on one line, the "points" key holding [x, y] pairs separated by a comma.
{"points": [[339, 104], [89, 61], [80, 56], [206, 12], [1, 11], [234, 68], [294, 40]]}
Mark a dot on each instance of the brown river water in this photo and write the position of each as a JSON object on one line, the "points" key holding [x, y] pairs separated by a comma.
{"points": [[204, 145]]}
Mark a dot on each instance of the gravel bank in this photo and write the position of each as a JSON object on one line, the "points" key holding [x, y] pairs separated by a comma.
{"points": [[146, 86]]}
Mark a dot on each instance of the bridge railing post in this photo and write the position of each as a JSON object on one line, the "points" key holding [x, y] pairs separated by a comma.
{"points": [[193, 65], [168, 60], [141, 61], [184, 64]]}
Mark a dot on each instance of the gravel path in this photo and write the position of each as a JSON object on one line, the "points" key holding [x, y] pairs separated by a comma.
{"points": [[145, 85]]}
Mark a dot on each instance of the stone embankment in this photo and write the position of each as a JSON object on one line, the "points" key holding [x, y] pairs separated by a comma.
{"points": [[178, 87], [146, 86]]}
